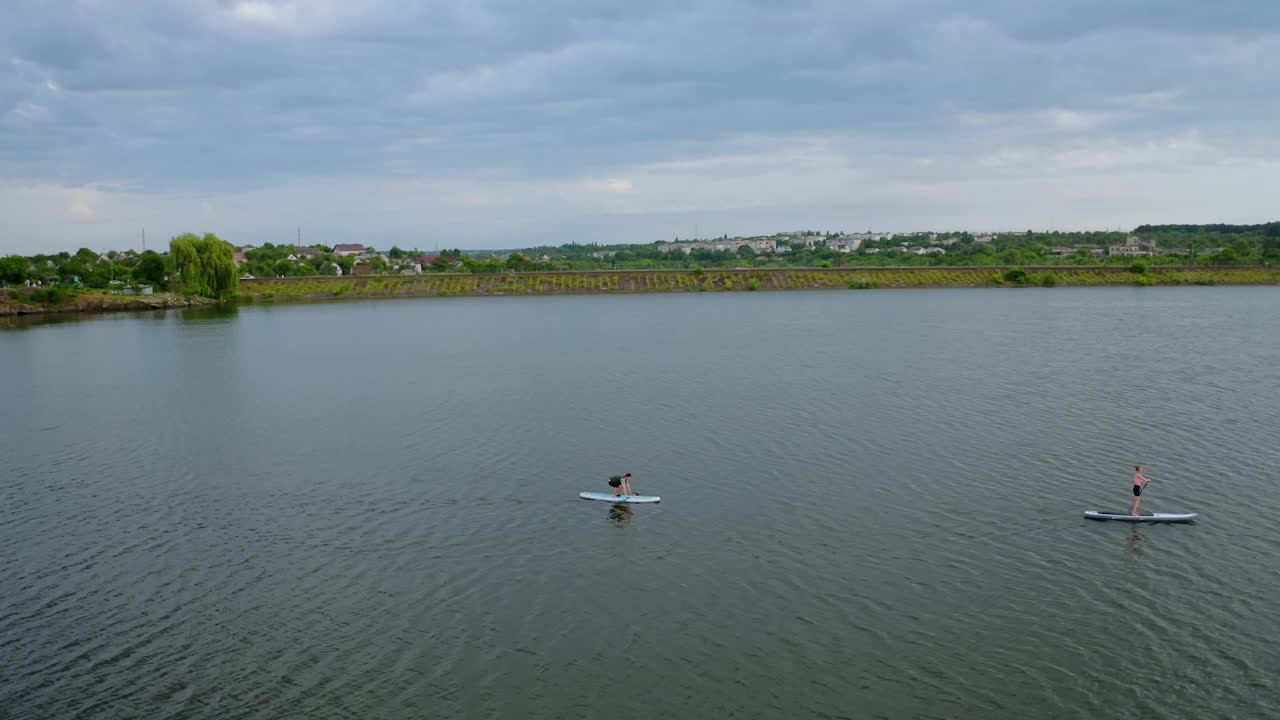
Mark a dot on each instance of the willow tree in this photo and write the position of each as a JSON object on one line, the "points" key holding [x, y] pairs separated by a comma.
{"points": [[204, 265]]}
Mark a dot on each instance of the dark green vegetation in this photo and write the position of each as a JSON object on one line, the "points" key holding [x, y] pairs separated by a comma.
{"points": [[202, 266], [198, 268]]}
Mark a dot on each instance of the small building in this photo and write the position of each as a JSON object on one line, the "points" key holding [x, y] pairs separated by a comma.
{"points": [[361, 270], [844, 244], [1134, 250], [348, 250]]}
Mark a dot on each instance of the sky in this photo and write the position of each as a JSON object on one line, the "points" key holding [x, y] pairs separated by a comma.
{"points": [[489, 124]]}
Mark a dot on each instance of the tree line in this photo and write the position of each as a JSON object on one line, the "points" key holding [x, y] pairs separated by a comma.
{"points": [[195, 265], [205, 265]]}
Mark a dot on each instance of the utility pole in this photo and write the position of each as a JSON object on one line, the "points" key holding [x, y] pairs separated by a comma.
{"points": [[144, 240], [299, 236]]}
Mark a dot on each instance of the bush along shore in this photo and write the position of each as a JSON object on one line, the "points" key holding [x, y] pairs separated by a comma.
{"points": [[305, 289]]}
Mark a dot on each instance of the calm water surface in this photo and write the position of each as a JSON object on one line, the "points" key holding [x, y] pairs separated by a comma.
{"points": [[871, 508]]}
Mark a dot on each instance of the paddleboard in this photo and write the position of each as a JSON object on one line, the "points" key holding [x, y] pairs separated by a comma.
{"points": [[1140, 517], [609, 497]]}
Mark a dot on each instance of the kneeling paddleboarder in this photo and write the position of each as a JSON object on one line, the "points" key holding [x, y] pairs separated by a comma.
{"points": [[621, 485]]}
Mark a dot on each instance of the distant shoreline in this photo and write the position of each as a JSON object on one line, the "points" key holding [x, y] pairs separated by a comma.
{"points": [[310, 289], [596, 282]]}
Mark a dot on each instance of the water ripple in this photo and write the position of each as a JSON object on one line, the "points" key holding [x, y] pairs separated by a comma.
{"points": [[871, 509]]}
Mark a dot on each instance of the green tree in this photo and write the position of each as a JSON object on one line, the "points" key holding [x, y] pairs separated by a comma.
{"points": [[204, 266], [150, 269], [14, 269], [1228, 256], [99, 275], [1271, 247]]}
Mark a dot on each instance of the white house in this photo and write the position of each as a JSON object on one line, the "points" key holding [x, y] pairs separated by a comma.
{"points": [[844, 243], [1134, 250], [348, 250]]}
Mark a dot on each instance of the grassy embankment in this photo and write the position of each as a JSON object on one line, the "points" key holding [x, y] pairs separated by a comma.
{"points": [[307, 289], [640, 281]]}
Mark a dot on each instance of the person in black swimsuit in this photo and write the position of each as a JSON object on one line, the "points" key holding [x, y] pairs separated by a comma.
{"points": [[1139, 482]]}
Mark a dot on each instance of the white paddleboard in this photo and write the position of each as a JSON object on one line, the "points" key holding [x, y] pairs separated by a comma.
{"points": [[1140, 517], [629, 499]]}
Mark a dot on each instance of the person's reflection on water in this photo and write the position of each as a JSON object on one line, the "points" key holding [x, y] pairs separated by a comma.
{"points": [[619, 514], [1135, 541]]}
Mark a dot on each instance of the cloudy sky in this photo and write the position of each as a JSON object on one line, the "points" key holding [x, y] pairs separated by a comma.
{"points": [[506, 123]]}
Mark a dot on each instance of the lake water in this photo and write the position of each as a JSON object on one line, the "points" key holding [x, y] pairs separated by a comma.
{"points": [[871, 508]]}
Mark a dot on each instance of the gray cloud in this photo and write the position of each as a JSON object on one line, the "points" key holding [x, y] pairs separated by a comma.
{"points": [[541, 111]]}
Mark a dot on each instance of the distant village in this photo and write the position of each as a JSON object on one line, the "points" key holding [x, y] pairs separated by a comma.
{"points": [[929, 243], [368, 261]]}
